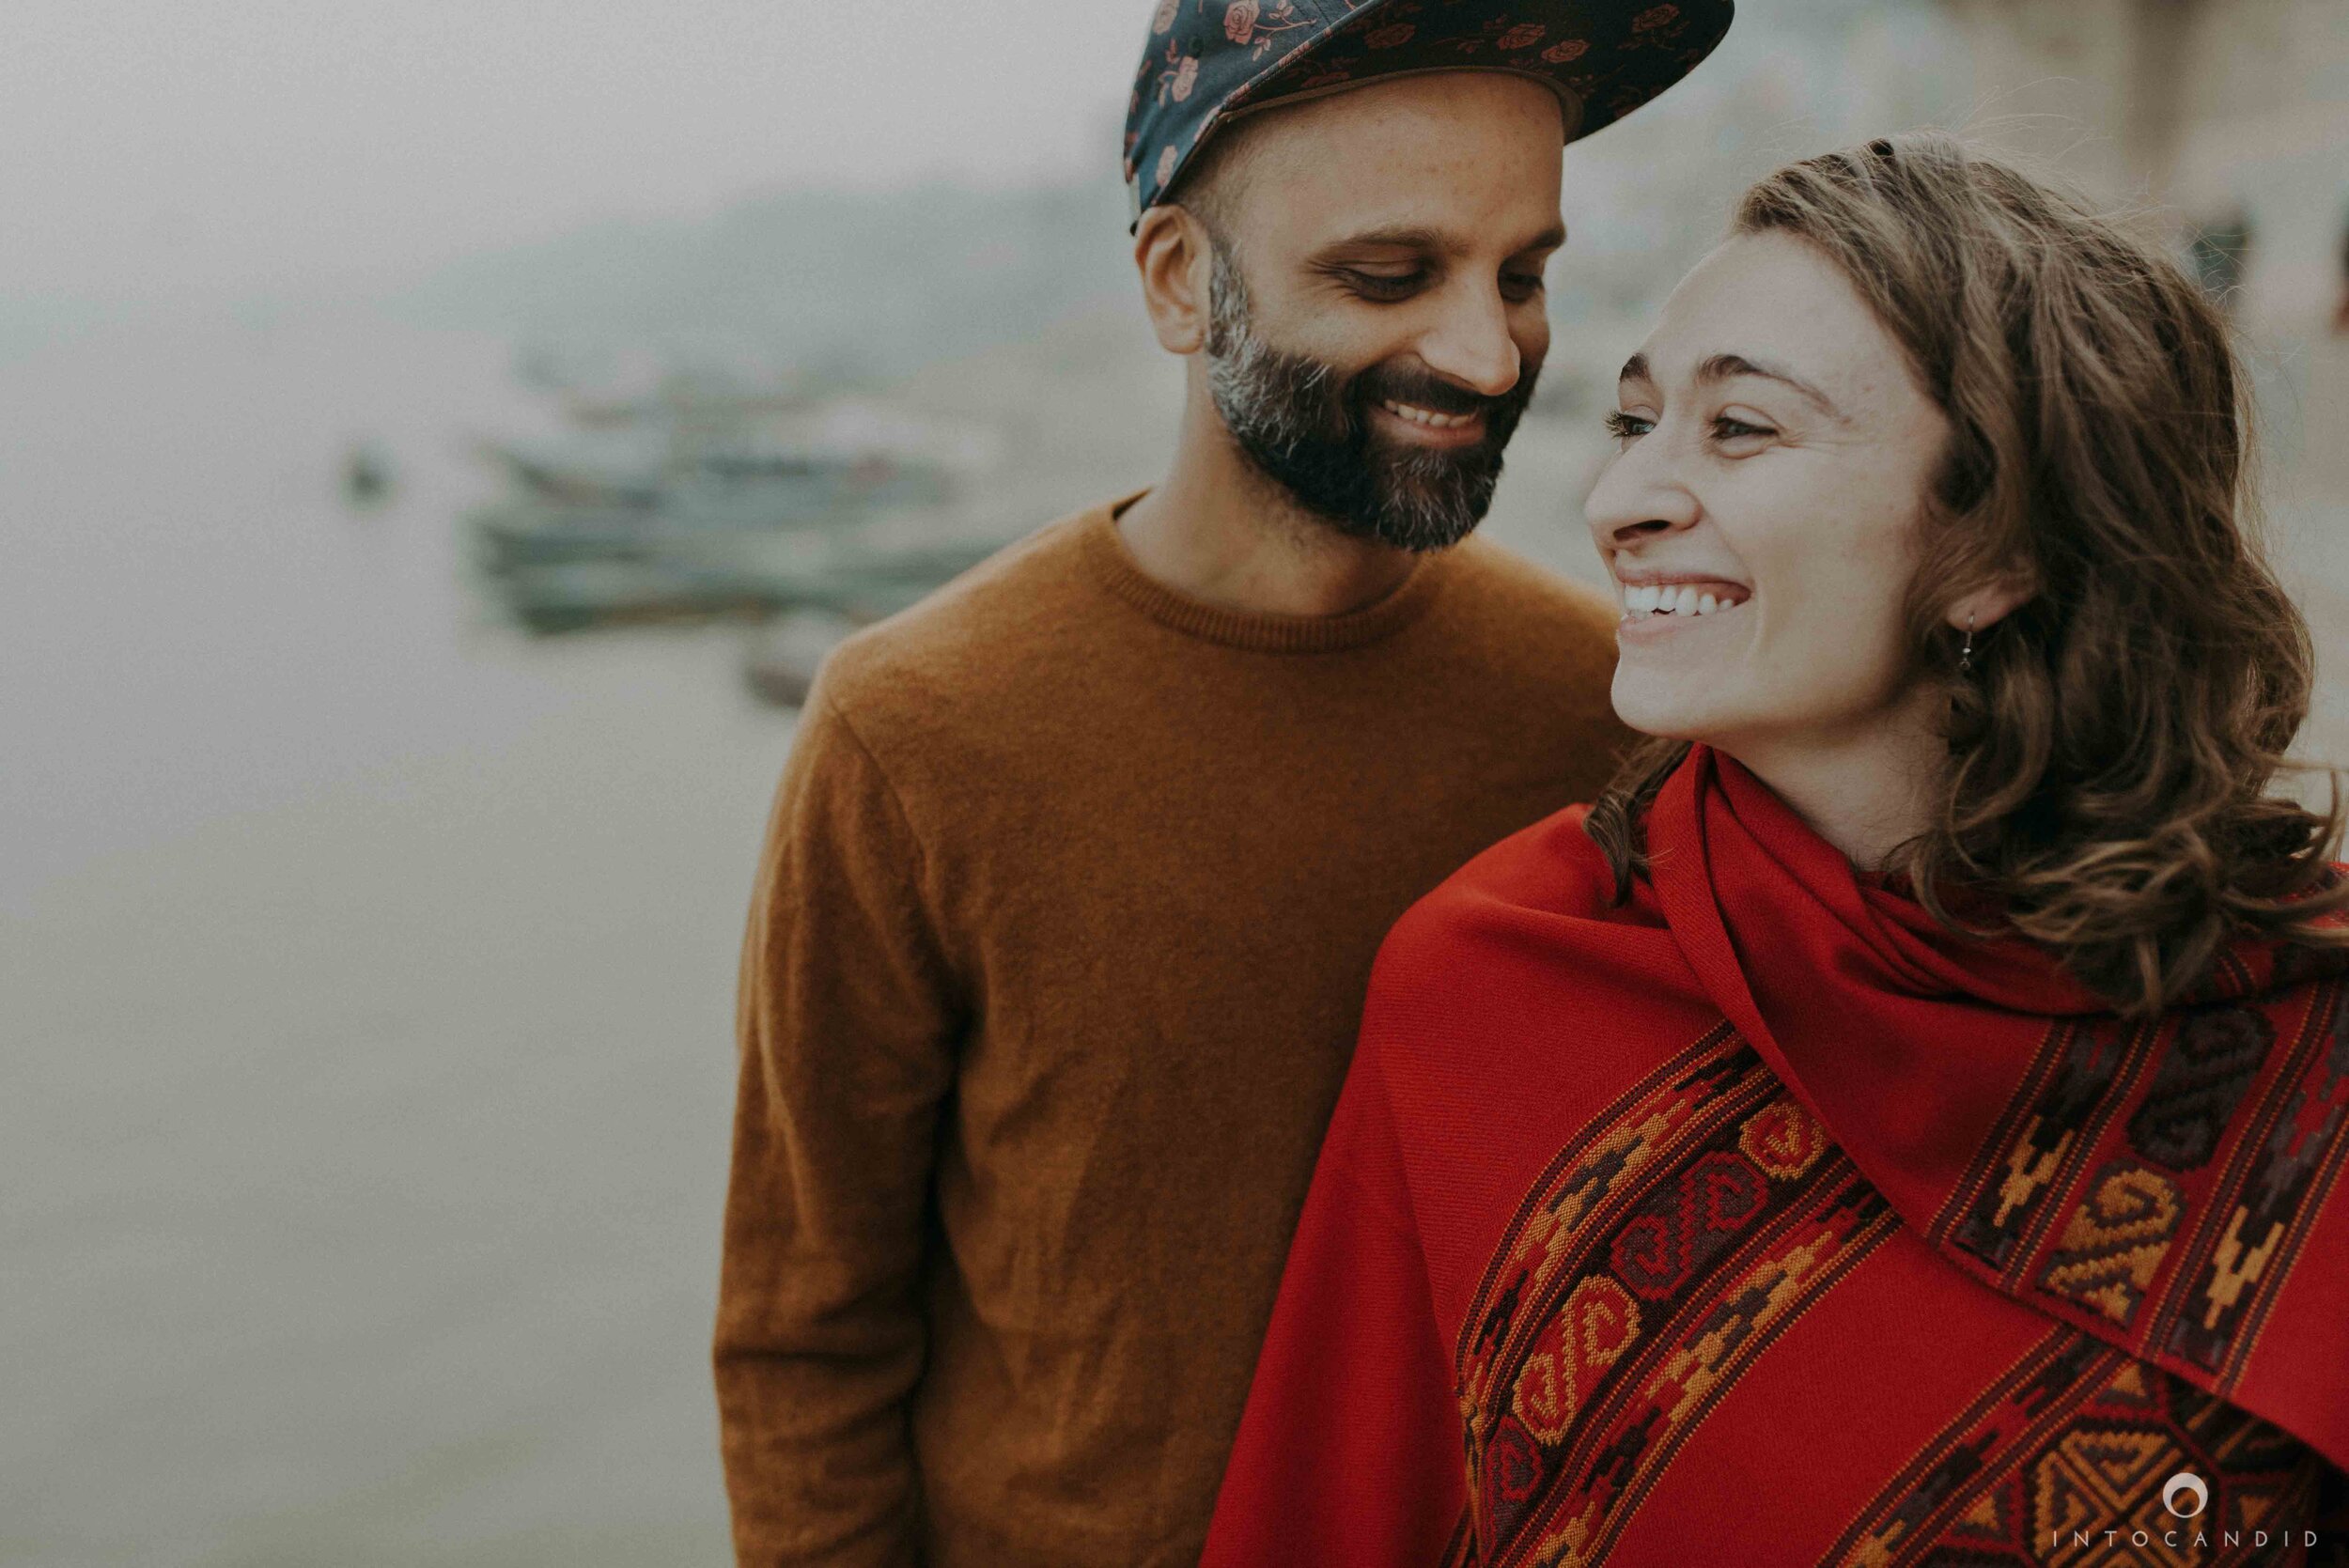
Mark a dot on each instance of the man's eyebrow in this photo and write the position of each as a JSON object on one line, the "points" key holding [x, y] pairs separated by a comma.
{"points": [[1414, 238], [1401, 236]]}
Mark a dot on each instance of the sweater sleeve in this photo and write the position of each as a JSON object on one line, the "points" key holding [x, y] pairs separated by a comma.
{"points": [[1349, 1452], [848, 1031]]}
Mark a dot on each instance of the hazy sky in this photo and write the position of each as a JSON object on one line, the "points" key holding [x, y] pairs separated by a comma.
{"points": [[152, 146]]}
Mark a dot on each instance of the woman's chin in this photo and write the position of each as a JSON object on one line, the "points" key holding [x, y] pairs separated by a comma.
{"points": [[1664, 708]]}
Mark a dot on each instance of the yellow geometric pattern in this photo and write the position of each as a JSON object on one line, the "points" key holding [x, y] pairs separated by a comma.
{"points": [[2115, 1244], [2096, 1480]]}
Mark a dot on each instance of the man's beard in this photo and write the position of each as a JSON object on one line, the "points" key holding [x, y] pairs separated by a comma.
{"points": [[1310, 430]]}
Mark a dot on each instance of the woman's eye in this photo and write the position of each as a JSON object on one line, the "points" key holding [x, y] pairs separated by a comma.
{"points": [[1728, 428], [1625, 427]]}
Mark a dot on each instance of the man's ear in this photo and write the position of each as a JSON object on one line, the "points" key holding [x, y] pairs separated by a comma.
{"points": [[1173, 256]]}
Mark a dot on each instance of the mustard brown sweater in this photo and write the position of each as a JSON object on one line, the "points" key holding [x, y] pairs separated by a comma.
{"points": [[1058, 946]]}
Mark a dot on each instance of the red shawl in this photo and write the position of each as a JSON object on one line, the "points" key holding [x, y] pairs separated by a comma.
{"points": [[1762, 1220]]}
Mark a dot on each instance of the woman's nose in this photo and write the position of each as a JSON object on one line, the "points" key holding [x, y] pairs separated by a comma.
{"points": [[1638, 496]]}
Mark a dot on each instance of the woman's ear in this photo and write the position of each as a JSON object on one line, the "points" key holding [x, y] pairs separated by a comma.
{"points": [[1989, 604], [1172, 254]]}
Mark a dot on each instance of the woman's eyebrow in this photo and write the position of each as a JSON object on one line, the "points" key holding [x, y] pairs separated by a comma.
{"points": [[1723, 366], [1720, 368]]}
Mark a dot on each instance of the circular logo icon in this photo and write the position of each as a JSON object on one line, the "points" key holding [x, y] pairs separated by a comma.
{"points": [[2183, 1489]]}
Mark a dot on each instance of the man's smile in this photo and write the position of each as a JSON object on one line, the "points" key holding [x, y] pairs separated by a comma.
{"points": [[1427, 428]]}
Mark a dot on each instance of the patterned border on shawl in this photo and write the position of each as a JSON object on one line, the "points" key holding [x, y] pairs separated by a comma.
{"points": [[2011, 1194], [2041, 1388], [1715, 1339], [2078, 1427], [2229, 1274], [1580, 1375], [1580, 1180], [2154, 1185]]}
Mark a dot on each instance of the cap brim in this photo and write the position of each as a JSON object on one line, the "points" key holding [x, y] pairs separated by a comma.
{"points": [[1602, 58]]}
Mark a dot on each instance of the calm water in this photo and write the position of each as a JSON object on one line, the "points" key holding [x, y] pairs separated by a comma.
{"points": [[368, 977]]}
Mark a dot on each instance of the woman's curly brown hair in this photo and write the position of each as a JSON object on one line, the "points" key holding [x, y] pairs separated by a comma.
{"points": [[2112, 752]]}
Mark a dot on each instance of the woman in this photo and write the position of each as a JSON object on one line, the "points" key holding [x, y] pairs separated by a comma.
{"points": [[1902, 1120]]}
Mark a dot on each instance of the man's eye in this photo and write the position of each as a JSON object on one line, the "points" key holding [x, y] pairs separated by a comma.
{"points": [[1384, 286], [1520, 287], [1625, 427]]}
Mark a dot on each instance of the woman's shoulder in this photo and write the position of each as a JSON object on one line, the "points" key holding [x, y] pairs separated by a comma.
{"points": [[1516, 999], [1527, 894], [1552, 865]]}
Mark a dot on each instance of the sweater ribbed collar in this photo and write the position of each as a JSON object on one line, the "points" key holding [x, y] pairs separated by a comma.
{"points": [[1113, 566]]}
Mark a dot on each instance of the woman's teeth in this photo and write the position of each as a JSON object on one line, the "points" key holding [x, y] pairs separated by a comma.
{"points": [[1672, 599], [1429, 417]]}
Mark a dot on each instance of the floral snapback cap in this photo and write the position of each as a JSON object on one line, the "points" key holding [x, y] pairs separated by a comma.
{"points": [[1207, 61]]}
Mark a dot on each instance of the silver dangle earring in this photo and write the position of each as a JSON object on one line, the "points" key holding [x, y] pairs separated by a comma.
{"points": [[1965, 654]]}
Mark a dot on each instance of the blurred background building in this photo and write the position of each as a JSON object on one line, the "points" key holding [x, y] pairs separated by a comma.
{"points": [[2232, 115], [435, 444]]}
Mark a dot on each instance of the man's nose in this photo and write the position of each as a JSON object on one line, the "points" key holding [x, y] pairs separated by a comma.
{"points": [[1471, 345]]}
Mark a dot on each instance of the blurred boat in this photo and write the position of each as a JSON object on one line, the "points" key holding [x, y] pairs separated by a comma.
{"points": [[856, 584], [738, 483], [701, 503]]}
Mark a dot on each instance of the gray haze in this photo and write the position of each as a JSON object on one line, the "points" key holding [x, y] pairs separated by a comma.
{"points": [[157, 148], [368, 967]]}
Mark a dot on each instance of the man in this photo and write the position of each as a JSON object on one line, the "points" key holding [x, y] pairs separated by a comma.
{"points": [[1077, 870]]}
